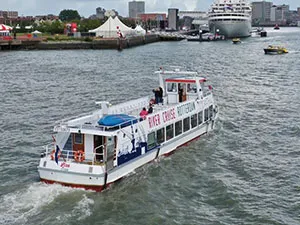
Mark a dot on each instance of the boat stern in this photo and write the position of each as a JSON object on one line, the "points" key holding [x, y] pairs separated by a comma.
{"points": [[71, 173]]}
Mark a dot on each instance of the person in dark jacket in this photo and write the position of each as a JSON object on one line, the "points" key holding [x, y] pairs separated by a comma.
{"points": [[160, 95], [150, 109], [156, 95]]}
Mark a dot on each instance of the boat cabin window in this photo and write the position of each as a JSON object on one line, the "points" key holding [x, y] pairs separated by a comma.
{"points": [[171, 87], [186, 124], [191, 88], [170, 132], [200, 117], [160, 134], [78, 138], [205, 114], [151, 140], [210, 111], [178, 128], [194, 120]]}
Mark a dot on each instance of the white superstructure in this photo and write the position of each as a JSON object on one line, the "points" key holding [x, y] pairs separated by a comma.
{"points": [[96, 150], [231, 18]]}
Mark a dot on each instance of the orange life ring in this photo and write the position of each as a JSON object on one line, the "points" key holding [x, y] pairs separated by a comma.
{"points": [[53, 154], [79, 156]]}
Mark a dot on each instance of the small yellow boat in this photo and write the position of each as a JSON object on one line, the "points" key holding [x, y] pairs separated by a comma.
{"points": [[275, 50], [236, 40]]}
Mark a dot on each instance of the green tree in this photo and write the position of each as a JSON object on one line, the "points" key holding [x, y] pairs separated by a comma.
{"points": [[88, 24], [69, 14], [56, 27]]}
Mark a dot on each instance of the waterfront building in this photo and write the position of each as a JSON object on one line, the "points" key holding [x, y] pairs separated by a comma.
{"points": [[8, 16], [261, 12], [135, 8], [280, 13], [152, 16], [153, 20], [192, 14], [173, 19], [193, 19]]}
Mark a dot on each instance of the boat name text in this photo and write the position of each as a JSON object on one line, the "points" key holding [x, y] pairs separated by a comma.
{"points": [[158, 119], [186, 108], [65, 165]]}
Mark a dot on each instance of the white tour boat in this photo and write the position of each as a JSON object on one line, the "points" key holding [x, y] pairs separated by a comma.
{"points": [[231, 18], [96, 150]]}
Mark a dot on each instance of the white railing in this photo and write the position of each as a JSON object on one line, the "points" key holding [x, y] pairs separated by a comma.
{"points": [[68, 155]]}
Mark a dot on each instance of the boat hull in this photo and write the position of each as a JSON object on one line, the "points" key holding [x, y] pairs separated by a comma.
{"points": [[76, 175], [274, 51], [231, 29]]}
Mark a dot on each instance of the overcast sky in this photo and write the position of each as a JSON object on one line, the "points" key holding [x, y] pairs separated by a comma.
{"points": [[88, 7]]}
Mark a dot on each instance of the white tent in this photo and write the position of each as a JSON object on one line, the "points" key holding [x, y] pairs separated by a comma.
{"points": [[4, 27], [111, 29], [139, 30], [36, 32]]}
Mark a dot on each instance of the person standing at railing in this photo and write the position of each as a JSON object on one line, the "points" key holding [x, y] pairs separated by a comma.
{"points": [[156, 95], [150, 109], [160, 95], [143, 113]]}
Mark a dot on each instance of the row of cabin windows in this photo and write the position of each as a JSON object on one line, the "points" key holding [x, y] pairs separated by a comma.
{"points": [[166, 133], [229, 19], [234, 15], [175, 87]]}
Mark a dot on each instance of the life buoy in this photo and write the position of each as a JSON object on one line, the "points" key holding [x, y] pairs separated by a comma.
{"points": [[79, 156], [53, 154]]}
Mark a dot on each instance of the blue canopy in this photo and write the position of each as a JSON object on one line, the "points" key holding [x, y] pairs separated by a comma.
{"points": [[117, 119]]}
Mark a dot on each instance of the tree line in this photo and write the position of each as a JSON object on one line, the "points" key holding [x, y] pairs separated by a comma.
{"points": [[67, 16]]}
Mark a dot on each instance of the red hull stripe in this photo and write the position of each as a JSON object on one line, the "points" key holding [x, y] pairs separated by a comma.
{"points": [[184, 80], [86, 187]]}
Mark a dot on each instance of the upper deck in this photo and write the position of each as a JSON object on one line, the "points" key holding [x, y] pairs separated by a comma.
{"points": [[178, 87]]}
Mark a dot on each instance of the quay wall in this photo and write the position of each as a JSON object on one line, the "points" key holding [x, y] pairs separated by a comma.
{"points": [[113, 43]]}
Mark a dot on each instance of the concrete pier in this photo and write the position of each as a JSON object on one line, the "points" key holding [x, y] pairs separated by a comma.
{"points": [[103, 43]]}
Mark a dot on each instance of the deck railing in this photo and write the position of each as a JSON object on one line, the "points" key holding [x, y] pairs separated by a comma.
{"points": [[68, 155]]}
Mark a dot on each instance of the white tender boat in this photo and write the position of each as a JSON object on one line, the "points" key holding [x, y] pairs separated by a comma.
{"points": [[96, 150]]}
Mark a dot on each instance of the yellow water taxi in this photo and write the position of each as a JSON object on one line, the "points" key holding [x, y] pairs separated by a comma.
{"points": [[236, 40], [275, 49]]}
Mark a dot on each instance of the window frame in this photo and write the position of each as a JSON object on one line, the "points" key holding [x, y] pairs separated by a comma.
{"points": [[176, 130], [158, 140], [186, 123], [171, 132]]}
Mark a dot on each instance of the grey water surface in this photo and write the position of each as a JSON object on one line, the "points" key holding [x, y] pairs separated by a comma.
{"points": [[244, 172]]}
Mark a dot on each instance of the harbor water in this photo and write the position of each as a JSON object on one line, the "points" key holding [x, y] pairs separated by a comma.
{"points": [[244, 172]]}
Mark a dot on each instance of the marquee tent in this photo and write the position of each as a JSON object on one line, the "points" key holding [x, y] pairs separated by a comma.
{"points": [[111, 29], [139, 30], [36, 32], [4, 27]]}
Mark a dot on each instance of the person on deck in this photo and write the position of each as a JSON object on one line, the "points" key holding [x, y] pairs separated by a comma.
{"points": [[160, 95], [156, 95], [180, 93], [143, 113], [150, 109]]}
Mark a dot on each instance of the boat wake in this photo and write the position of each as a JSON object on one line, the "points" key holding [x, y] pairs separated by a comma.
{"points": [[19, 207]]}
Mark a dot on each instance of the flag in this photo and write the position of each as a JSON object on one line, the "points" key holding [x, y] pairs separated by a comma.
{"points": [[56, 154], [228, 7]]}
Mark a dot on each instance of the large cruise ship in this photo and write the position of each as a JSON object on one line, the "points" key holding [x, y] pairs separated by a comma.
{"points": [[231, 18]]}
